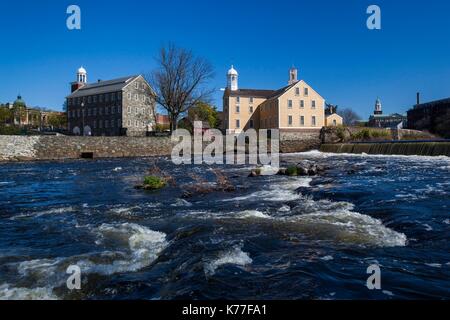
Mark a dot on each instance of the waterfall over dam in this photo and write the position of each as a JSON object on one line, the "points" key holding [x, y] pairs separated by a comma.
{"points": [[391, 148]]}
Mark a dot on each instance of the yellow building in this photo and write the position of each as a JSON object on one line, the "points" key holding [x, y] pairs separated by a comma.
{"points": [[296, 106]]}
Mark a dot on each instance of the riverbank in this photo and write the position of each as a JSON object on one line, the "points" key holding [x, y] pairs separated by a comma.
{"points": [[336, 139]]}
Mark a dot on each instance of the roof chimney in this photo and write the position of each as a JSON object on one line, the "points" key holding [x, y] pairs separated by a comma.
{"points": [[99, 80], [418, 98]]}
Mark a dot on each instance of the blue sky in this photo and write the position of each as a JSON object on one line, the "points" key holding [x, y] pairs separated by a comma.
{"points": [[328, 41]]}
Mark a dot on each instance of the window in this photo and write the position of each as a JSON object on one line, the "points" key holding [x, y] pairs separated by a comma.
{"points": [[112, 123], [251, 123], [119, 123], [313, 121], [89, 99], [136, 97], [290, 120], [290, 104], [89, 112], [95, 99], [100, 98], [113, 96], [251, 109], [136, 123], [129, 109], [129, 123], [297, 91], [238, 124], [129, 95], [106, 97], [334, 122], [100, 124], [119, 95], [136, 85], [113, 110], [106, 123], [143, 86], [313, 104], [238, 99], [238, 109], [302, 104], [100, 111], [95, 124], [251, 99], [302, 121], [306, 91], [143, 98], [136, 111]]}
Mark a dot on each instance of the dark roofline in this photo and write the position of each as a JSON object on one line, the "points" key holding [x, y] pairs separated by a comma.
{"points": [[256, 93], [431, 103], [124, 81]]}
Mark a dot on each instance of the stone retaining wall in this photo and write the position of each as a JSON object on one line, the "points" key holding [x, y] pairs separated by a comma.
{"points": [[299, 140], [26, 148], [29, 148]]}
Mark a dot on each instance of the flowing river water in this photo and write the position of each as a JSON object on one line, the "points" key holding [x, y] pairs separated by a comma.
{"points": [[275, 237]]}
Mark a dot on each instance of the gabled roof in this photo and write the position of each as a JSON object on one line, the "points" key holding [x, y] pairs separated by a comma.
{"points": [[282, 91], [103, 87]]}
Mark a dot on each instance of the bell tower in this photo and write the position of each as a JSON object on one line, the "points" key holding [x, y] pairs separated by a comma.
{"points": [[378, 109], [293, 75], [232, 79], [81, 79]]}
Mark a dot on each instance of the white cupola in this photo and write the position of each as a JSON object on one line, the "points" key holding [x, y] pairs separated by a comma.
{"points": [[232, 79], [82, 75], [378, 109], [293, 75]]}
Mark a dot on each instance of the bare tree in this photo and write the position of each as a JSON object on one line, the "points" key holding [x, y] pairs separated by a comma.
{"points": [[349, 116], [180, 81]]}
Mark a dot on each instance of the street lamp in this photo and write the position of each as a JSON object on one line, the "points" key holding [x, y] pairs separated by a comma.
{"points": [[82, 112]]}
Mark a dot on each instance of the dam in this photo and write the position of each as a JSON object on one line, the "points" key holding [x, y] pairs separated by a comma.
{"points": [[407, 148]]}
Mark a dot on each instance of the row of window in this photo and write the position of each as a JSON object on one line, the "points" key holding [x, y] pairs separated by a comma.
{"points": [[100, 124], [114, 96], [305, 91], [106, 124], [290, 106], [141, 85], [250, 109], [250, 100], [302, 121], [138, 97], [301, 104], [138, 110], [93, 111], [270, 122]]}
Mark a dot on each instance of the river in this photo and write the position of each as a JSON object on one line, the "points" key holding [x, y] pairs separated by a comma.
{"points": [[275, 237]]}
